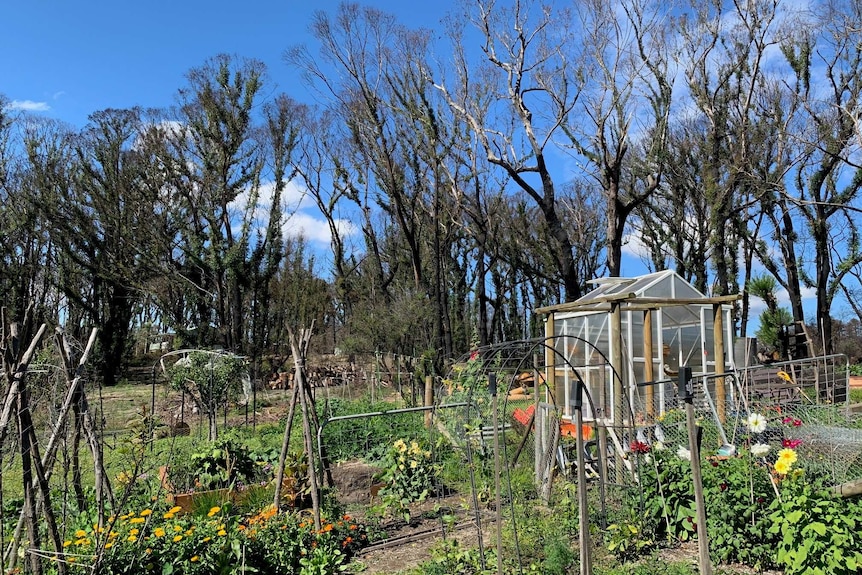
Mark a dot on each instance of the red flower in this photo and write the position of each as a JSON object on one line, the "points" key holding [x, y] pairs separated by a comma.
{"points": [[639, 447], [474, 355], [791, 443]]}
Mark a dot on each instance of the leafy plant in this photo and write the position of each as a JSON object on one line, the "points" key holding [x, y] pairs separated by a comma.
{"points": [[408, 475], [815, 531], [452, 557], [210, 379]]}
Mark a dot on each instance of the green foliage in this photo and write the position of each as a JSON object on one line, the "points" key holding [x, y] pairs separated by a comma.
{"points": [[627, 540], [408, 476], [651, 565], [211, 379], [815, 531], [225, 462], [215, 543], [738, 493], [368, 438], [667, 498], [452, 557]]}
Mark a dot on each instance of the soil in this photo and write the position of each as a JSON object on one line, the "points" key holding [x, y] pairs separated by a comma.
{"points": [[403, 545], [407, 545]]}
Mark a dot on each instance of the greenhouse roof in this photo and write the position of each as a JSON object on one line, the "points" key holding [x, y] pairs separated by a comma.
{"points": [[657, 289]]}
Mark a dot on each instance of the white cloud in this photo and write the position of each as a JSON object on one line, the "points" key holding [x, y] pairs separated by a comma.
{"points": [[28, 106], [302, 218]]}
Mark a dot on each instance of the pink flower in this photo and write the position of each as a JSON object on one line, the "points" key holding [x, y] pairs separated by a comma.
{"points": [[791, 443], [797, 422], [475, 355]]}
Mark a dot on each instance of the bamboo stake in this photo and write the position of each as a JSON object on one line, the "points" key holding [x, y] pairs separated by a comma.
{"points": [[285, 445]]}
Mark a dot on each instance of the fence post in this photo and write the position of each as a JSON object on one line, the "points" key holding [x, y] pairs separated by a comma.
{"points": [[429, 398], [686, 393]]}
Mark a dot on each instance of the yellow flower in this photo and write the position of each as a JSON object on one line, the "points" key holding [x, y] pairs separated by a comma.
{"points": [[221, 533], [81, 541], [178, 538], [177, 528], [213, 511], [207, 539], [131, 538], [80, 533], [159, 532], [109, 544], [168, 516], [134, 531], [66, 543], [195, 558], [175, 509], [146, 512], [782, 467], [413, 464], [137, 520], [787, 455]]}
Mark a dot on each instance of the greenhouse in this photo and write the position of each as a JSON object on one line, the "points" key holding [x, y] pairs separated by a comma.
{"points": [[644, 329]]}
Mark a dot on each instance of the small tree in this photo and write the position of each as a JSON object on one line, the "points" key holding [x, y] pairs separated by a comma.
{"points": [[211, 379], [774, 320]]}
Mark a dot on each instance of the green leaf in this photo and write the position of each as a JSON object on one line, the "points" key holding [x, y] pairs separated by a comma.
{"points": [[818, 528]]}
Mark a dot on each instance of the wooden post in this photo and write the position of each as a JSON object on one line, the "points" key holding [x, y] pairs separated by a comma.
{"points": [[583, 519], [299, 349], [285, 445], [616, 343], [429, 398], [649, 373], [718, 348], [686, 393], [550, 382]]}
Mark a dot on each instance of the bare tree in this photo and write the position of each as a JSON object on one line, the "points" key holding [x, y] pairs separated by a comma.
{"points": [[626, 105], [828, 69], [515, 102]]}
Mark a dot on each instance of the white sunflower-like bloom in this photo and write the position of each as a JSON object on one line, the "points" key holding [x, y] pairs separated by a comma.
{"points": [[759, 449], [756, 423]]}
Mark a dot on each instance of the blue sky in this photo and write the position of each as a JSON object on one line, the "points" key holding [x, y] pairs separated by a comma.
{"points": [[66, 60], [70, 59]]}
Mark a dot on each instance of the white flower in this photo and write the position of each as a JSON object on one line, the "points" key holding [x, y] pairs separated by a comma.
{"points": [[756, 423], [759, 449], [683, 453], [658, 446]]}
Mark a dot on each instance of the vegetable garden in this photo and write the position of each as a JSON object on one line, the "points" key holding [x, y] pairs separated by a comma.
{"points": [[105, 481]]}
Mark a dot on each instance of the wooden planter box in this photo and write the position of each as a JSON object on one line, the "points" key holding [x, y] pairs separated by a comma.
{"points": [[186, 501]]}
